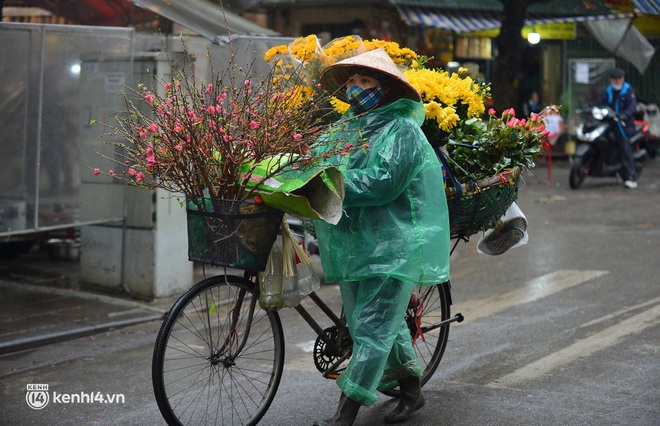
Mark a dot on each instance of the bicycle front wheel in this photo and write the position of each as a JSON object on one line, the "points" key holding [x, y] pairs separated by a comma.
{"points": [[218, 357]]}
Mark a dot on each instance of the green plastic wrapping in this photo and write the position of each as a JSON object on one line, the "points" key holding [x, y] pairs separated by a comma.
{"points": [[395, 221], [314, 192]]}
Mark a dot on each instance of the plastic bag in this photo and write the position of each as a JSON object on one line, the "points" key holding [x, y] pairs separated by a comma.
{"points": [[510, 231], [270, 280], [290, 293]]}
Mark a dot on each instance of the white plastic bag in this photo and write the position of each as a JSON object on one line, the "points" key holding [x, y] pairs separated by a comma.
{"points": [[270, 280], [290, 292], [510, 231]]}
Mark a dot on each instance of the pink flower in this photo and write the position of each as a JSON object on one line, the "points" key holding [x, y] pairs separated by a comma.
{"points": [[491, 111], [210, 109], [209, 88], [97, 172], [149, 98], [297, 137], [168, 87], [247, 82], [512, 122], [140, 177], [227, 138], [178, 84], [178, 128], [254, 124], [131, 171], [534, 117], [111, 173], [509, 111], [178, 147], [153, 127]]}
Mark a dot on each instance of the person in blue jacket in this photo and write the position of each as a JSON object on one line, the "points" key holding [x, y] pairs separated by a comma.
{"points": [[620, 96], [393, 234]]}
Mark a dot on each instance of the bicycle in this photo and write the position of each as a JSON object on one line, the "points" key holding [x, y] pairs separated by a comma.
{"points": [[219, 357]]}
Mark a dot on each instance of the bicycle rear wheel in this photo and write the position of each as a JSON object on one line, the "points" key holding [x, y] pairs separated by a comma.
{"points": [[218, 357], [429, 339]]}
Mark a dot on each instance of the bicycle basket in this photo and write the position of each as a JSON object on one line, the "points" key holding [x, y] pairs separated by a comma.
{"points": [[481, 203], [238, 234]]}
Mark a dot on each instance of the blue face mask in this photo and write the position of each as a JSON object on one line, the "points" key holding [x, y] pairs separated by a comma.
{"points": [[364, 99]]}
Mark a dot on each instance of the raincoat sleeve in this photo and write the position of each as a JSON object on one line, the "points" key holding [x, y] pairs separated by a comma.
{"points": [[392, 165]]}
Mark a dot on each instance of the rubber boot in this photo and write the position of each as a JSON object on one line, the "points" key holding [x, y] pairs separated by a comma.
{"points": [[411, 400], [346, 413]]}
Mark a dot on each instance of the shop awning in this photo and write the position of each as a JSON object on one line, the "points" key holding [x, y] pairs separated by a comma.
{"points": [[648, 7], [560, 20], [460, 22], [205, 18], [478, 20]]}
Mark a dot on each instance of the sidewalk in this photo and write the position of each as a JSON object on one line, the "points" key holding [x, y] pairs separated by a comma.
{"points": [[41, 302]]}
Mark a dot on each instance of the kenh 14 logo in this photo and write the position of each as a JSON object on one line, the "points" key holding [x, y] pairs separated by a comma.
{"points": [[37, 396]]}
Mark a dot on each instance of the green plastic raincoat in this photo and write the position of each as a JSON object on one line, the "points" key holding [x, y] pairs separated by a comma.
{"points": [[396, 220], [393, 234]]}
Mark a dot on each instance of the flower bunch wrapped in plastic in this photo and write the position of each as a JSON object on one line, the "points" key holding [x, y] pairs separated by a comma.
{"points": [[448, 99], [206, 138]]}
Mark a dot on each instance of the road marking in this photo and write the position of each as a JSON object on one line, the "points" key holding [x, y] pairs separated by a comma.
{"points": [[581, 349], [538, 288]]}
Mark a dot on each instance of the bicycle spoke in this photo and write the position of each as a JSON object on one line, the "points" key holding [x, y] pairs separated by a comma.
{"points": [[215, 361]]}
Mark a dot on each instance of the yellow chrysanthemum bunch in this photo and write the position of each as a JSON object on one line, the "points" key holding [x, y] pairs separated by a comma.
{"points": [[341, 48], [447, 99]]}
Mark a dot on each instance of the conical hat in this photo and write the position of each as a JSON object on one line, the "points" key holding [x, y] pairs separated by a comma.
{"points": [[334, 77]]}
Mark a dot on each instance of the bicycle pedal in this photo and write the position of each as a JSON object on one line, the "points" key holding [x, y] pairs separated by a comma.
{"points": [[331, 376]]}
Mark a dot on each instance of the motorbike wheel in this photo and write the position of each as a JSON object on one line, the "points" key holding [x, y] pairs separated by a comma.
{"points": [[577, 174]]}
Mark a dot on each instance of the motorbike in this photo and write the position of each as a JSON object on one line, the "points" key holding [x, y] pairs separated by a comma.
{"points": [[597, 151]]}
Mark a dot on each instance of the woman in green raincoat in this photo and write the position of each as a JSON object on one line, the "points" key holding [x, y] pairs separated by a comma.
{"points": [[394, 232]]}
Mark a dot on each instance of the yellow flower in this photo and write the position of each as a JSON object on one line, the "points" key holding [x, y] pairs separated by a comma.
{"points": [[342, 45], [446, 117], [304, 48], [447, 99], [276, 50], [339, 106], [402, 56]]}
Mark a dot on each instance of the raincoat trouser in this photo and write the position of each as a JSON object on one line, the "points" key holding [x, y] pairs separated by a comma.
{"points": [[379, 359], [394, 234]]}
